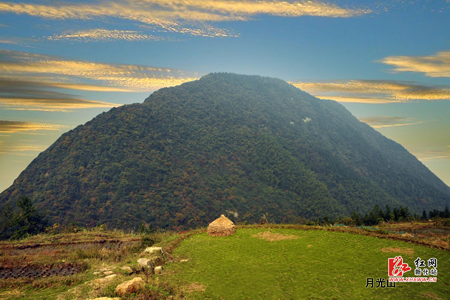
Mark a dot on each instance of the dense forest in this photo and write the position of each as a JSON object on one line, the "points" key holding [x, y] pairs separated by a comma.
{"points": [[240, 145]]}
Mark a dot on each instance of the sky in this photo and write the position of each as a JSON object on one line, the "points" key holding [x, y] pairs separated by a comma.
{"points": [[64, 62]]}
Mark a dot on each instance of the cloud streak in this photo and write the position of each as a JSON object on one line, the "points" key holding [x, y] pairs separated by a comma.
{"points": [[373, 91], [386, 122], [433, 155], [38, 82], [18, 126], [40, 96], [181, 16], [33, 82], [437, 65], [105, 35], [128, 77]]}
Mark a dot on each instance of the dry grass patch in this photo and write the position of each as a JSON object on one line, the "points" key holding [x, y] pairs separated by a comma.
{"points": [[407, 251], [269, 236], [9, 294], [195, 287]]}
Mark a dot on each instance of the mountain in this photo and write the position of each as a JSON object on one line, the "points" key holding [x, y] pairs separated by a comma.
{"points": [[234, 144]]}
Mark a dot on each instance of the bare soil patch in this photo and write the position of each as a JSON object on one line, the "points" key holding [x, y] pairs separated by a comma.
{"points": [[408, 251], [269, 236]]}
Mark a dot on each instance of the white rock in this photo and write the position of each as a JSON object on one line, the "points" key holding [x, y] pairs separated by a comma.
{"points": [[158, 270], [146, 263], [153, 250]]}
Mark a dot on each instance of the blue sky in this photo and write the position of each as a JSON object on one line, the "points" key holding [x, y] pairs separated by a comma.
{"points": [[64, 62]]}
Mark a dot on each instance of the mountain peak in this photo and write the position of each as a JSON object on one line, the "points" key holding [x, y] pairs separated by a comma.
{"points": [[229, 144]]}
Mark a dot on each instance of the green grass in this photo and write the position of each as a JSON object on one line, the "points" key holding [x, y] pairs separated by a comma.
{"points": [[317, 265]]}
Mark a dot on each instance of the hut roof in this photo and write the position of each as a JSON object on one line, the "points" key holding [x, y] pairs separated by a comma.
{"points": [[222, 221]]}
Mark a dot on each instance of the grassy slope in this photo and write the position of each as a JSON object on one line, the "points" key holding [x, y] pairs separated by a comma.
{"points": [[317, 265]]}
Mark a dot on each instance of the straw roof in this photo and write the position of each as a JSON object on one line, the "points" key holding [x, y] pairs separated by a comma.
{"points": [[221, 227]]}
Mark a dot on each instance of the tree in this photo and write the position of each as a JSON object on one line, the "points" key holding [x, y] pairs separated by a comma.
{"points": [[6, 219], [28, 220], [424, 215], [355, 216]]}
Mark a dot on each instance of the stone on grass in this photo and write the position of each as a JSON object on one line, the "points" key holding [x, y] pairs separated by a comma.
{"points": [[158, 270], [153, 250], [160, 252], [127, 269], [130, 286], [221, 227], [145, 263], [104, 280]]}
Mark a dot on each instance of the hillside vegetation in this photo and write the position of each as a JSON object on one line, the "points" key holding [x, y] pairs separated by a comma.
{"points": [[240, 145]]}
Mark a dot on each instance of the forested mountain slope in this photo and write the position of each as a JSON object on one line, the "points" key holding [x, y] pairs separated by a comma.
{"points": [[244, 144]]}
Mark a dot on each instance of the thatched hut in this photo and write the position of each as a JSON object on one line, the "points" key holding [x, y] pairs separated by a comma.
{"points": [[221, 227]]}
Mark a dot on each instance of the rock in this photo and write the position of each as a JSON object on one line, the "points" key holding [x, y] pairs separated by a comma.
{"points": [[153, 250], [127, 269], [159, 251], [130, 286], [184, 260], [101, 282], [104, 269], [104, 279], [146, 263], [108, 273], [158, 270]]}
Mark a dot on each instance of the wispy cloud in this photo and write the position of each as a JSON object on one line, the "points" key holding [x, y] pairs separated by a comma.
{"points": [[373, 91], [18, 126], [34, 82], [8, 41], [19, 94], [181, 16], [385, 122], [56, 104], [437, 65], [105, 35], [128, 77], [20, 149], [433, 155]]}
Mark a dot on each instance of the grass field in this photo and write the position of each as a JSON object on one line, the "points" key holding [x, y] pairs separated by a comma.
{"points": [[260, 263]]}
